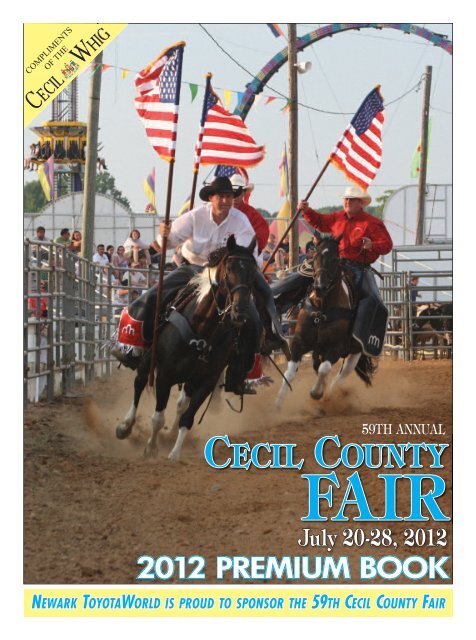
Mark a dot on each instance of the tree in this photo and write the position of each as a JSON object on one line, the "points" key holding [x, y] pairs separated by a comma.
{"points": [[265, 213], [381, 202], [329, 209], [106, 184], [34, 198]]}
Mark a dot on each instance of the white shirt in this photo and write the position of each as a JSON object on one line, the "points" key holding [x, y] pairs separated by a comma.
{"points": [[199, 234], [135, 278], [102, 261], [129, 245]]}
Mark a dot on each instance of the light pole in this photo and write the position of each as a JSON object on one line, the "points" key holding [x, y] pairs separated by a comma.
{"points": [[423, 160]]}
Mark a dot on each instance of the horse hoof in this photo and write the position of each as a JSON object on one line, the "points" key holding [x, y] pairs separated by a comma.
{"points": [[175, 457], [123, 431], [151, 452], [316, 395]]}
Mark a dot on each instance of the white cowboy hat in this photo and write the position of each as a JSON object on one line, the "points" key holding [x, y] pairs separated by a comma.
{"points": [[353, 191], [239, 182]]}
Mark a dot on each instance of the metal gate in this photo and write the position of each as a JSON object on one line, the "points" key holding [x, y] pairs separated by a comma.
{"points": [[71, 309]]}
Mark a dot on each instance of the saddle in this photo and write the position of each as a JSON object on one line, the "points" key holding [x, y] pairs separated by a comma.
{"points": [[290, 291]]}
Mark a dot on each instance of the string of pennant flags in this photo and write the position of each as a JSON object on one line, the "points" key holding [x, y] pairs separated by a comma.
{"points": [[224, 139], [227, 93]]}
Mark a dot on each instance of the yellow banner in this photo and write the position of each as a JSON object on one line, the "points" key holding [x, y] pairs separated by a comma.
{"points": [[54, 54], [299, 602]]}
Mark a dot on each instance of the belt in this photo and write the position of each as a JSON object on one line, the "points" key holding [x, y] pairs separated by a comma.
{"points": [[354, 263]]}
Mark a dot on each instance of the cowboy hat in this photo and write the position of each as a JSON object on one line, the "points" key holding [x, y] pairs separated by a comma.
{"points": [[239, 182], [353, 191], [219, 185]]}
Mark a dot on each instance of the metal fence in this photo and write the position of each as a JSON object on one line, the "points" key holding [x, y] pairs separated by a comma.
{"points": [[410, 337], [71, 309]]}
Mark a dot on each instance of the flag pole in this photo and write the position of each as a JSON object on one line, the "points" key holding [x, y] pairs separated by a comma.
{"points": [[198, 148], [155, 200], [372, 104], [160, 284], [163, 253], [194, 188], [294, 218]]}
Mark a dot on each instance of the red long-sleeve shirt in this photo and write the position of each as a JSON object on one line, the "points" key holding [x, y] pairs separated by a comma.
{"points": [[258, 223], [361, 225]]}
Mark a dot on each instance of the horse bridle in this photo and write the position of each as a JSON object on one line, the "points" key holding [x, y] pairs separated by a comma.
{"points": [[232, 290], [334, 281]]}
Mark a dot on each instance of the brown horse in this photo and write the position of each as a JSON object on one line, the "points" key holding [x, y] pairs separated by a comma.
{"points": [[324, 324], [209, 318]]}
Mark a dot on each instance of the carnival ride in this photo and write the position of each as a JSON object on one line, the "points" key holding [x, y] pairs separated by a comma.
{"points": [[63, 138]]}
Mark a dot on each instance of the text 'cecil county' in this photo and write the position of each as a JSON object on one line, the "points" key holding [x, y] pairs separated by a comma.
{"points": [[425, 488]]}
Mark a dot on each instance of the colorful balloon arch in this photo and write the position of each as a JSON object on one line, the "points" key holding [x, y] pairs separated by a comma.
{"points": [[257, 85]]}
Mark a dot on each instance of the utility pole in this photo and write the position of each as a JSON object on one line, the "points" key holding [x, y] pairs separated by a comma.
{"points": [[89, 194], [293, 143], [424, 159]]}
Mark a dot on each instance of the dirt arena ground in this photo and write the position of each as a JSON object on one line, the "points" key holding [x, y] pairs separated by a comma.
{"points": [[93, 504]]}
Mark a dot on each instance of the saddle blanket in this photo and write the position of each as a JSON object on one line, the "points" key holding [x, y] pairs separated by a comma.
{"points": [[130, 330]]}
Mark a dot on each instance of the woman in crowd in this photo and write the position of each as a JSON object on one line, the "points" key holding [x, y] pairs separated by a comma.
{"points": [[135, 247], [110, 252], [76, 240], [120, 262]]}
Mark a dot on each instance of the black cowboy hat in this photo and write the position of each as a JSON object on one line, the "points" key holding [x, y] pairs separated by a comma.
{"points": [[219, 185]]}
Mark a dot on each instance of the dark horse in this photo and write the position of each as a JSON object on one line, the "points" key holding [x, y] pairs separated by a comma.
{"points": [[324, 324], [197, 341]]}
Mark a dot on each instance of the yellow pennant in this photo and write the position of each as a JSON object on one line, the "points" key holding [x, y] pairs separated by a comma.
{"points": [[227, 94], [55, 54]]}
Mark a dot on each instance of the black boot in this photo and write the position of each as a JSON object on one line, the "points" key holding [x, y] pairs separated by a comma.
{"points": [[126, 358], [275, 342], [235, 382]]}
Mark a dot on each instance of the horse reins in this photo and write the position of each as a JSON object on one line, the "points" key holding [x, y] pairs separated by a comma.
{"points": [[226, 309]]}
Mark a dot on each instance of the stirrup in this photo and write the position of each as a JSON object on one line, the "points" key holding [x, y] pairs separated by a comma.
{"points": [[240, 389], [246, 389]]}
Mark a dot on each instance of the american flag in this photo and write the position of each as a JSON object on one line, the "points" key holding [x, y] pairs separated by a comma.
{"points": [[157, 99], [224, 138], [223, 171], [359, 151]]}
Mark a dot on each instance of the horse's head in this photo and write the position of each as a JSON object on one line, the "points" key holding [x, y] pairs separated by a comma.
{"points": [[237, 273], [326, 263]]}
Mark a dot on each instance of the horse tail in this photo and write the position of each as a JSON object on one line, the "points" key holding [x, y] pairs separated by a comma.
{"points": [[365, 369]]}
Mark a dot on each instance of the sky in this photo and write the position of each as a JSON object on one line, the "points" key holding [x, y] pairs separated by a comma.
{"points": [[344, 69]]}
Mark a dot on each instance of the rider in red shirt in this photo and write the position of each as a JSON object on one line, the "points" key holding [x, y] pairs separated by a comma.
{"points": [[364, 238], [259, 224], [274, 334]]}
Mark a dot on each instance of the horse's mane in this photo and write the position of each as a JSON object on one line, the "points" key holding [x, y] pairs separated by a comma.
{"points": [[216, 256], [203, 281], [207, 277], [328, 239]]}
